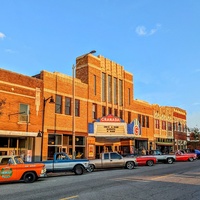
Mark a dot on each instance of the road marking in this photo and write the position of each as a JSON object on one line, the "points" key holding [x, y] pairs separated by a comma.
{"points": [[72, 197]]}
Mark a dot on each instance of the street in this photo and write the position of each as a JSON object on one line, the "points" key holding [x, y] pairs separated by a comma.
{"points": [[180, 180]]}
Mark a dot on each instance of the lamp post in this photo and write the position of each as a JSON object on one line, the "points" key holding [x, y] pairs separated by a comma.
{"points": [[73, 108], [51, 100]]}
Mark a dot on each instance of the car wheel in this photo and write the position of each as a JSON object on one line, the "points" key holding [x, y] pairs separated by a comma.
{"points": [[29, 177], [170, 160], [130, 165], [150, 163], [91, 168], [191, 159], [78, 170]]}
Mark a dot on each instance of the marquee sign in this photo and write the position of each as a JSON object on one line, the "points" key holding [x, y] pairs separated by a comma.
{"points": [[110, 118]]}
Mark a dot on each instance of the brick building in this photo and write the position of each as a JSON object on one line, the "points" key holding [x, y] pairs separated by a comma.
{"points": [[97, 108], [20, 115]]}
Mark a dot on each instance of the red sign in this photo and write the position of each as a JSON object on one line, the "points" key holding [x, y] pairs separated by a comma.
{"points": [[110, 118], [136, 130]]}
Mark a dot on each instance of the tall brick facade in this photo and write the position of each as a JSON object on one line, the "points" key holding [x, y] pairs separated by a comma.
{"points": [[102, 88]]}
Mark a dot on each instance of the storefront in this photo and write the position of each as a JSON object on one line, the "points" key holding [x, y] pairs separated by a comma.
{"points": [[17, 143]]}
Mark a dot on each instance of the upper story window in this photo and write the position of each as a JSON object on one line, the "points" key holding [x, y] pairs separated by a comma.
{"points": [[157, 123], [103, 111], [139, 118], [147, 121], [109, 110], [164, 125], [120, 92], [23, 112], [143, 121], [58, 108], [68, 106], [115, 92], [77, 108], [94, 111], [103, 87], [129, 117], [169, 126], [129, 96], [121, 114], [95, 85], [110, 89], [116, 112]]}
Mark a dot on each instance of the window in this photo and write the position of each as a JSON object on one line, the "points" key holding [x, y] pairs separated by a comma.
{"points": [[103, 111], [129, 96], [95, 85], [94, 111], [106, 156], [129, 117], [157, 122], [68, 106], [164, 125], [4, 142], [109, 110], [121, 114], [103, 87], [116, 112], [77, 108], [147, 121], [169, 126], [109, 89], [115, 156], [54, 139], [143, 121], [58, 104], [139, 118], [115, 92], [24, 113], [120, 92]]}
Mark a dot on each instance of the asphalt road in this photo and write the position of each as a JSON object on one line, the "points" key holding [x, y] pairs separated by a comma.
{"points": [[180, 180]]}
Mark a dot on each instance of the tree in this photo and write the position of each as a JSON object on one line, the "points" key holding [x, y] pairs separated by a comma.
{"points": [[196, 133], [2, 103]]}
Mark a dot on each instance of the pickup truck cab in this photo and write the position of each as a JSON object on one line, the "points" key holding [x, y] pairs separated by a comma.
{"points": [[13, 168], [164, 158], [62, 163], [112, 160]]}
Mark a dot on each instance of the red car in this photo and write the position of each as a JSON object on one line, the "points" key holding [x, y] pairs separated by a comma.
{"points": [[180, 156], [146, 160], [143, 160]]}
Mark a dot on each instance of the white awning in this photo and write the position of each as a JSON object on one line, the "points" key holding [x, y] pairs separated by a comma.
{"points": [[18, 133]]}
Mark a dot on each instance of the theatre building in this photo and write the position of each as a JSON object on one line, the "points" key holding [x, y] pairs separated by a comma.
{"points": [[91, 112], [105, 116]]}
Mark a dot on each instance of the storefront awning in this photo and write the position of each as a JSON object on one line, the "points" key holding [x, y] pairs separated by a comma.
{"points": [[18, 133]]}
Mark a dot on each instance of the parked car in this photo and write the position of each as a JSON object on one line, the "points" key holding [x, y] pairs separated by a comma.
{"points": [[63, 163], [164, 158], [182, 156], [13, 168], [194, 155], [112, 160], [197, 152], [143, 160]]}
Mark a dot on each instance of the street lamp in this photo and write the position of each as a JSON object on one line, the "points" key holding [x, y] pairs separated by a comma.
{"points": [[41, 133], [73, 114]]}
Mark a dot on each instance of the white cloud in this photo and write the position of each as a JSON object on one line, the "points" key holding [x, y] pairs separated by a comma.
{"points": [[142, 31], [2, 35], [9, 51]]}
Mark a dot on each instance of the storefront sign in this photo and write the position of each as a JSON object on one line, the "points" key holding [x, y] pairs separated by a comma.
{"points": [[110, 129], [110, 118]]}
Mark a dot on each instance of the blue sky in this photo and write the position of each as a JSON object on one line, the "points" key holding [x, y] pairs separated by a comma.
{"points": [[158, 41]]}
